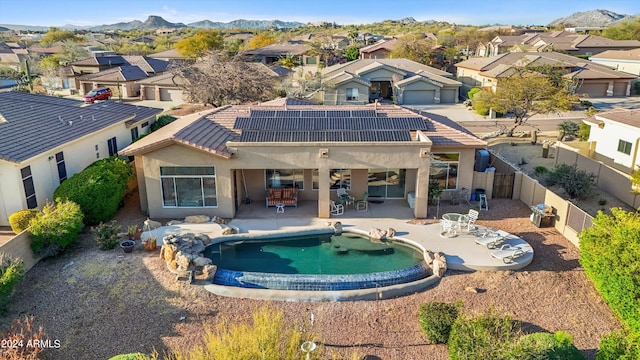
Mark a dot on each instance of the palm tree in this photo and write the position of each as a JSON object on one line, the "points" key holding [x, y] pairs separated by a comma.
{"points": [[289, 61]]}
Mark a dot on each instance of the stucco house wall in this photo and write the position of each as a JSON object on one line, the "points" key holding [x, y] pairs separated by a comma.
{"points": [[338, 94], [606, 143]]}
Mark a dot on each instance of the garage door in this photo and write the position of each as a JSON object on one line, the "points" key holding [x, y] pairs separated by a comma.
{"points": [[620, 89], [170, 95], [593, 89], [448, 96], [418, 97], [150, 93]]}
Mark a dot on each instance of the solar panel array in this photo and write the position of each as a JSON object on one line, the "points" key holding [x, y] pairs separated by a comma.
{"points": [[324, 136], [327, 126]]}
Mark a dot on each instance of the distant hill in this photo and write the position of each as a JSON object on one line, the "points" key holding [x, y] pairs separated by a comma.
{"points": [[157, 22], [246, 24], [593, 18]]}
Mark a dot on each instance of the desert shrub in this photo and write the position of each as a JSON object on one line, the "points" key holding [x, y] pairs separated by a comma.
{"points": [[11, 272], [472, 92], [486, 336], [20, 220], [163, 120], [266, 337], [55, 227], [610, 255], [98, 189], [577, 183], [436, 319], [568, 129], [618, 346], [558, 346], [21, 332], [584, 132], [106, 235], [540, 170], [132, 356]]}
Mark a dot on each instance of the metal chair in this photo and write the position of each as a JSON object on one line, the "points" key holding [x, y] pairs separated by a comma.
{"points": [[336, 209], [344, 197], [363, 204], [473, 216]]}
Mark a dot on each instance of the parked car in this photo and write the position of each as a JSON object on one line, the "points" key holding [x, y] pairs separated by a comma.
{"points": [[97, 94]]}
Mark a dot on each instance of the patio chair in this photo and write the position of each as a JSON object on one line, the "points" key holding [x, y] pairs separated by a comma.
{"points": [[473, 216], [448, 226], [507, 252], [336, 209], [343, 197], [490, 239], [363, 204]]}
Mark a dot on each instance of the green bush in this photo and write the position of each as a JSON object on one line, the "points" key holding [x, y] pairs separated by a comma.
{"points": [[472, 92], [132, 356], [436, 319], [540, 170], [482, 337], [11, 272], [578, 184], [106, 235], [98, 189], [584, 132], [480, 102], [20, 220], [163, 120], [618, 345], [558, 346], [435, 190], [610, 255], [55, 227]]}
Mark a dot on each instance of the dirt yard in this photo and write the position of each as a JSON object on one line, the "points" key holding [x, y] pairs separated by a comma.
{"points": [[522, 154], [101, 303]]}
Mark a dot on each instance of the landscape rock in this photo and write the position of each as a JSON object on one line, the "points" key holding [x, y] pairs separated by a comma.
{"points": [[197, 219], [174, 222], [169, 251], [228, 230], [209, 271], [206, 240], [202, 261], [151, 224], [391, 232], [182, 260], [471, 289], [377, 234], [439, 265]]}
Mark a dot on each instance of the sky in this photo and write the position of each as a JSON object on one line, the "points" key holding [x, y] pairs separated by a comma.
{"points": [[462, 12]]}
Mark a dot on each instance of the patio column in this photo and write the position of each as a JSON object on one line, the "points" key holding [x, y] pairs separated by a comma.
{"points": [[324, 192], [422, 192]]}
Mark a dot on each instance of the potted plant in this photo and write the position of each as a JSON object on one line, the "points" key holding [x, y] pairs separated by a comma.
{"points": [[127, 245], [150, 243], [132, 230]]}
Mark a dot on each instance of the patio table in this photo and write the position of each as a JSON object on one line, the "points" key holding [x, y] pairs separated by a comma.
{"points": [[458, 219]]}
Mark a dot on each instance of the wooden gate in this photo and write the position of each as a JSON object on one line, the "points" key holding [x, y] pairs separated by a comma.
{"points": [[503, 186]]}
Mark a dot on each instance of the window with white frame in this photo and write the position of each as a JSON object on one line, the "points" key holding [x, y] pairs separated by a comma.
{"points": [[188, 186], [624, 147], [444, 170], [352, 94], [284, 178], [340, 178]]}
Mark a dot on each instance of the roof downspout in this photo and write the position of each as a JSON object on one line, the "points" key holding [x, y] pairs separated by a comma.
{"points": [[635, 156]]}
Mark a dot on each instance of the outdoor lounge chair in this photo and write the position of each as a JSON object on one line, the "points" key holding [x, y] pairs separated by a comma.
{"points": [[490, 239], [507, 252], [336, 209], [343, 197], [363, 204]]}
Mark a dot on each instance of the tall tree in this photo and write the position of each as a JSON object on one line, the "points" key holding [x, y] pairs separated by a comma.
{"points": [[262, 39], [220, 79], [55, 35], [626, 30], [414, 47], [202, 41], [526, 93]]}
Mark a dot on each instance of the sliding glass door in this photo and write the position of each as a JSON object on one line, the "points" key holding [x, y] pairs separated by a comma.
{"points": [[387, 183]]}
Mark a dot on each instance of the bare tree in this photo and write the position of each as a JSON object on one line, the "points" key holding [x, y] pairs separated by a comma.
{"points": [[220, 79]]}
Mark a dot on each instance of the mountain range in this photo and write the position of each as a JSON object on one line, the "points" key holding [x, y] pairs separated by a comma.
{"points": [[157, 22], [593, 18]]}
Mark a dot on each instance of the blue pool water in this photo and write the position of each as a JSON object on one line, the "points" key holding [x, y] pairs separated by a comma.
{"points": [[316, 262]]}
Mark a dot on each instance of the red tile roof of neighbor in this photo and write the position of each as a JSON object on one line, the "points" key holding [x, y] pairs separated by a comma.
{"points": [[210, 131]]}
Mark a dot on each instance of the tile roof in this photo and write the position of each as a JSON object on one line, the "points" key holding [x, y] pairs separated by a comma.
{"points": [[287, 101], [623, 116], [148, 65], [280, 49], [629, 55], [581, 68], [120, 73], [165, 79], [211, 131], [380, 44], [404, 65], [167, 54], [101, 60], [33, 124]]}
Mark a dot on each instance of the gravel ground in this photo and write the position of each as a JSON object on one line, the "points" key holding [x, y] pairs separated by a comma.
{"points": [[101, 303]]}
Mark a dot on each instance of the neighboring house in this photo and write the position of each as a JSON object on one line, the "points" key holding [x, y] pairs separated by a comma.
{"points": [[163, 87], [211, 164], [559, 41], [169, 55], [271, 54], [117, 72], [627, 61], [366, 80], [590, 79], [12, 56], [379, 50], [615, 136], [45, 139]]}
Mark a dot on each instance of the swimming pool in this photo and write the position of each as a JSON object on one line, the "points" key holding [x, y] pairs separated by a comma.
{"points": [[316, 262]]}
